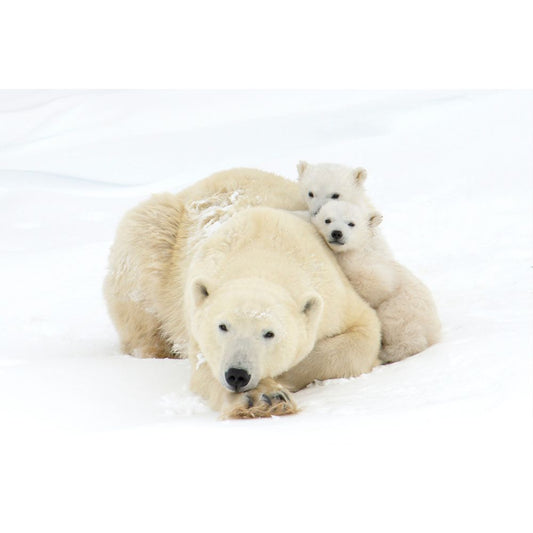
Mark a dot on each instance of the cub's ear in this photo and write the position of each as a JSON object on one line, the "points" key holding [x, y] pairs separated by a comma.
{"points": [[375, 219], [301, 166], [359, 175], [312, 306], [199, 291]]}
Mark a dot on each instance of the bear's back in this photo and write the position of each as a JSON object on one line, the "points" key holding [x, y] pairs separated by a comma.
{"points": [[257, 186]]}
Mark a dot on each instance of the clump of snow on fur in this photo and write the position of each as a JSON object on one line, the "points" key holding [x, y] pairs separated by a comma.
{"points": [[211, 227], [234, 196], [179, 347], [200, 360], [213, 211], [254, 314]]}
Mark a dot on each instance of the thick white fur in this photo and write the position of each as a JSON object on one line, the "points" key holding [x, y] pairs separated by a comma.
{"points": [[404, 305], [319, 183], [184, 264]]}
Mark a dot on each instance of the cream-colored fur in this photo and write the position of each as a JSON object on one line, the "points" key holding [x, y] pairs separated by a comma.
{"points": [[182, 266], [403, 303], [164, 229]]}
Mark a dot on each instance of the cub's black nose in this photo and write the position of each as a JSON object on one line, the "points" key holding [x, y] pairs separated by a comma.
{"points": [[237, 378], [336, 234]]}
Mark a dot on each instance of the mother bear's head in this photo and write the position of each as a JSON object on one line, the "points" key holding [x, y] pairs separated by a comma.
{"points": [[249, 329]]}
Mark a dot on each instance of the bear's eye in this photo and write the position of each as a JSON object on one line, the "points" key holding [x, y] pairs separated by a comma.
{"points": [[223, 327], [335, 196], [328, 221], [268, 334], [351, 224], [310, 194]]}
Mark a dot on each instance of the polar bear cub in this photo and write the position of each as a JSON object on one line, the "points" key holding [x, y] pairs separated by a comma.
{"points": [[403, 303], [327, 181]]}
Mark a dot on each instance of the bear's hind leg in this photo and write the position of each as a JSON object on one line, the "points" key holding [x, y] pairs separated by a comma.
{"points": [[139, 331]]}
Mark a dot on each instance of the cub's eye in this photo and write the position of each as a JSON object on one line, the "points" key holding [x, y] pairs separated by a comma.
{"points": [[351, 224], [223, 327], [335, 196], [310, 194], [268, 334], [327, 221]]}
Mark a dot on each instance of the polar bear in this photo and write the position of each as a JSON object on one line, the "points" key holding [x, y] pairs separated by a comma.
{"points": [[252, 295], [404, 305], [328, 181]]}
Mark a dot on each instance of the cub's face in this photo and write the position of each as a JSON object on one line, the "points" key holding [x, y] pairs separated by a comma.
{"points": [[324, 182], [345, 226], [248, 330]]}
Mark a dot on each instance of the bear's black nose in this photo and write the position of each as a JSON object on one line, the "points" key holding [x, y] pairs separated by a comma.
{"points": [[336, 234], [237, 378]]}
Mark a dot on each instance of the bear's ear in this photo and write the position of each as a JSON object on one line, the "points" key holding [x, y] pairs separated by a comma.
{"points": [[359, 175], [199, 291], [301, 166], [375, 219], [312, 309]]}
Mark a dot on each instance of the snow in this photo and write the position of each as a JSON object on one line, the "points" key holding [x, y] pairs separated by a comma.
{"points": [[93, 440], [200, 360], [209, 218]]}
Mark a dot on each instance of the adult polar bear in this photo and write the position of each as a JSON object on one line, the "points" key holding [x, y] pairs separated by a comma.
{"points": [[224, 273]]}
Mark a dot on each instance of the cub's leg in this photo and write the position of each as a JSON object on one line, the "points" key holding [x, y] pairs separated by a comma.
{"points": [[268, 399], [401, 339], [349, 354], [405, 323]]}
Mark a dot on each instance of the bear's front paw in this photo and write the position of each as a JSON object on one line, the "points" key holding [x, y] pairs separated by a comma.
{"points": [[266, 400]]}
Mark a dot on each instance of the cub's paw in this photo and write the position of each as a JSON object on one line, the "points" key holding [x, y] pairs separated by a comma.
{"points": [[266, 400]]}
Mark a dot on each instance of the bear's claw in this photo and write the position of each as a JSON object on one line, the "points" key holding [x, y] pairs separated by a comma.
{"points": [[263, 404], [266, 399]]}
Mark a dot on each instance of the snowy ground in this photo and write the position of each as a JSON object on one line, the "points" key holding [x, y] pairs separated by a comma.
{"points": [[93, 440]]}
